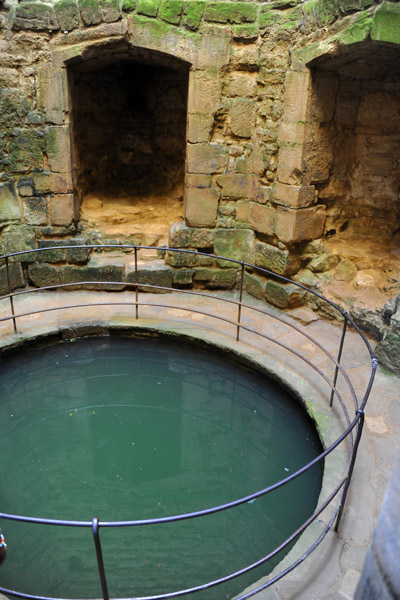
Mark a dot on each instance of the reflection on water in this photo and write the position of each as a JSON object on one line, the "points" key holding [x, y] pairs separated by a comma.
{"points": [[132, 429]]}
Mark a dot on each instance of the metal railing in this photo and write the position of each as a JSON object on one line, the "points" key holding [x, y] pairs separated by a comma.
{"points": [[354, 417]]}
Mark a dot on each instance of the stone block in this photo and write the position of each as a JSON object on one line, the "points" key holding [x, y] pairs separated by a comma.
{"points": [[67, 13], [35, 210], [56, 183], [242, 117], [298, 225], [19, 239], [171, 10], [276, 260], [193, 13], [284, 295], [254, 285], [203, 238], [230, 12], [149, 8], [14, 107], [16, 276], [262, 218], [155, 273], [26, 151], [54, 254], [241, 84], [36, 16], [199, 127], [26, 187], [58, 148], [206, 158], [201, 206], [216, 278], [204, 92], [198, 180], [93, 272], [43, 275], [62, 210], [264, 194], [242, 212], [128, 5], [296, 96], [180, 236], [9, 206], [110, 10], [238, 185], [291, 131], [290, 163], [90, 12], [386, 23], [182, 259], [246, 33], [237, 244], [293, 196], [183, 277]]}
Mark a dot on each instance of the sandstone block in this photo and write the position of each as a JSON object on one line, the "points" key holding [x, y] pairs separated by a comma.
{"points": [[284, 295], [291, 131], [296, 96], [26, 187], [254, 285], [78, 256], [43, 275], [198, 180], [182, 259], [35, 210], [276, 260], [93, 272], [241, 84], [58, 148], [264, 194], [62, 209], [67, 13], [293, 196], [216, 278], [262, 218], [19, 239], [386, 23], [237, 244], [16, 275], [206, 158], [9, 206], [56, 183], [53, 254], [183, 277], [204, 92], [290, 163], [203, 238], [180, 236], [298, 225], [238, 185], [52, 93], [37, 16], [242, 212], [26, 151], [242, 117], [201, 206], [90, 12], [199, 127]]}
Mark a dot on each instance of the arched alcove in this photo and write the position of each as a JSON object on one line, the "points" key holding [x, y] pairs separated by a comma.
{"points": [[351, 155], [129, 112]]}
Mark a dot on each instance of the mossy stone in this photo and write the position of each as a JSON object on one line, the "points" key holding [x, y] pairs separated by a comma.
{"points": [[268, 17], [9, 207], [216, 278], [193, 13], [128, 5], [15, 275], [110, 10], [149, 8], [237, 244], [171, 10], [358, 31], [26, 150], [230, 12], [386, 23], [245, 32], [38, 16], [67, 13], [90, 12], [14, 107]]}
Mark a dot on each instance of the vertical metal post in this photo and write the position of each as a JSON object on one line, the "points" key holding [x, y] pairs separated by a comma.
{"points": [[339, 357], [99, 555], [10, 295], [240, 302], [351, 467], [136, 285]]}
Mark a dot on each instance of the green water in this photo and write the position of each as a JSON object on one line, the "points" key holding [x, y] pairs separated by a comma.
{"points": [[130, 429]]}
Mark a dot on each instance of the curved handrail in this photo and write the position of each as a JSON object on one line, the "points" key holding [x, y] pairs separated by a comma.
{"points": [[352, 424]]}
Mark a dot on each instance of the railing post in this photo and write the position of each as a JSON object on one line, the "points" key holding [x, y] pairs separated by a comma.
{"points": [[339, 356], [99, 555], [240, 302], [10, 295], [136, 285], [351, 468]]}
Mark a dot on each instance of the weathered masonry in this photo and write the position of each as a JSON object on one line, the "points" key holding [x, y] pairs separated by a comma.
{"points": [[265, 131]]}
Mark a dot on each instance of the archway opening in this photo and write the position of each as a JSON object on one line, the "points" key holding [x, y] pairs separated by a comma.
{"points": [[352, 156], [129, 142]]}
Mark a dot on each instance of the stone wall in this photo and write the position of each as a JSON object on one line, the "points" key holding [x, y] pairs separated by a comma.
{"points": [[285, 159]]}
